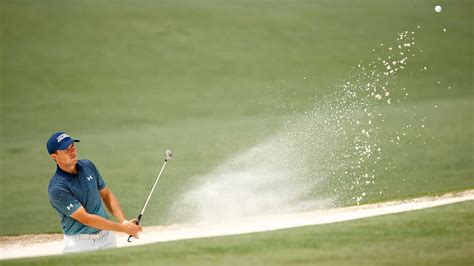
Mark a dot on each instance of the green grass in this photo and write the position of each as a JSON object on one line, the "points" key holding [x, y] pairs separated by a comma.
{"points": [[210, 79], [437, 236]]}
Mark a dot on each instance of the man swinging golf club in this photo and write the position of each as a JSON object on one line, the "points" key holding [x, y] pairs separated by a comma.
{"points": [[75, 192]]}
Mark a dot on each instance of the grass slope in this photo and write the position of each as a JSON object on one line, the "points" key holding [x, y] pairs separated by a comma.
{"points": [[209, 79]]}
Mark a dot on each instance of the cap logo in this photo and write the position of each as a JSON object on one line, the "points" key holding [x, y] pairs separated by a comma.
{"points": [[61, 137]]}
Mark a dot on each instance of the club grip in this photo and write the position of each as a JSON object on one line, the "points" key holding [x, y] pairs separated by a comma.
{"points": [[129, 240]]}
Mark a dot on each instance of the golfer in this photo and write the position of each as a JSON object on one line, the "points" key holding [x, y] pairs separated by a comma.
{"points": [[75, 192]]}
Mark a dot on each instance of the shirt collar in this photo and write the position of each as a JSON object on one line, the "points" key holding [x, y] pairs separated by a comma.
{"points": [[66, 174]]}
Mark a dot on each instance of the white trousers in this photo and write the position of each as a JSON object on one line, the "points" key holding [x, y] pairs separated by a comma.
{"points": [[80, 243]]}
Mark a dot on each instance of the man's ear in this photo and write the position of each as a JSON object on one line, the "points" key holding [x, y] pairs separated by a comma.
{"points": [[54, 156]]}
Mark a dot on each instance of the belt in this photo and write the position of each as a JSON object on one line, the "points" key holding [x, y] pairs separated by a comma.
{"points": [[93, 236]]}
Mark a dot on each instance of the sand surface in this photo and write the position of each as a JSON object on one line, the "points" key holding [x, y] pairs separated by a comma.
{"points": [[52, 244]]}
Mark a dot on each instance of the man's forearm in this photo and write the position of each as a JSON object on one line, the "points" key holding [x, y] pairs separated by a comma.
{"points": [[114, 207], [101, 223]]}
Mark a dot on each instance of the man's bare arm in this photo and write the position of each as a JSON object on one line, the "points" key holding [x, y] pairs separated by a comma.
{"points": [[112, 204], [96, 221]]}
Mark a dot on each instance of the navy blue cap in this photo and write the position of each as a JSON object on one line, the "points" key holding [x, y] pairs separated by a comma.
{"points": [[59, 141]]}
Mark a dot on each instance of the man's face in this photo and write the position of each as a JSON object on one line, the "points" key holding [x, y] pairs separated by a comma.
{"points": [[67, 156]]}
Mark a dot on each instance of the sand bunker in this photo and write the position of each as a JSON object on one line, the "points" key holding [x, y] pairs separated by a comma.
{"points": [[51, 244]]}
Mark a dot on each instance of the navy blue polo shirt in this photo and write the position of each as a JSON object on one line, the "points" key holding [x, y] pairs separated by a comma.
{"points": [[67, 192]]}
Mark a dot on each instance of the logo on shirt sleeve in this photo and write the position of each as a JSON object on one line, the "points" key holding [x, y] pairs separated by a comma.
{"points": [[70, 206], [89, 178]]}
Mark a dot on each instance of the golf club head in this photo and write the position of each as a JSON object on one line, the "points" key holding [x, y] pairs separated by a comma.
{"points": [[168, 155]]}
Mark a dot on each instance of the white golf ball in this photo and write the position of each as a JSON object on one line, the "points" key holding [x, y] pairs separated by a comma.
{"points": [[438, 9]]}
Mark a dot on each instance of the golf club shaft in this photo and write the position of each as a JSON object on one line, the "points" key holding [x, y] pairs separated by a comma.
{"points": [[151, 192], [148, 199]]}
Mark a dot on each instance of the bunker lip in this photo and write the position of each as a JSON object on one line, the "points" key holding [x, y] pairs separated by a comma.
{"points": [[51, 244]]}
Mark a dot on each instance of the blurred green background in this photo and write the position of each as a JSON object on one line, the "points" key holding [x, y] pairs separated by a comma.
{"points": [[209, 79]]}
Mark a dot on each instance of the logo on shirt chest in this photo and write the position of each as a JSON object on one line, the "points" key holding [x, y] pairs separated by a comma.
{"points": [[89, 178]]}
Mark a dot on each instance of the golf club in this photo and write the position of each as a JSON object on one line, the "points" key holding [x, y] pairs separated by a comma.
{"points": [[168, 156]]}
